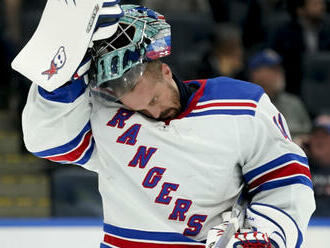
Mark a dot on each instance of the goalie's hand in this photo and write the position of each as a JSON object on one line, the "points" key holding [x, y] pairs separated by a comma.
{"points": [[83, 68], [107, 22], [244, 238], [106, 26]]}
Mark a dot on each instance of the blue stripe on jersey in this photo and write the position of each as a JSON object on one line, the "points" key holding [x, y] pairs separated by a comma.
{"points": [[274, 163], [87, 155], [66, 147], [223, 112], [105, 246], [228, 88], [65, 94], [146, 235], [281, 183], [283, 236], [280, 235]]}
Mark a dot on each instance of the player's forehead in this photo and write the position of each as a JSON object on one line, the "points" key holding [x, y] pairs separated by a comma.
{"points": [[141, 94]]}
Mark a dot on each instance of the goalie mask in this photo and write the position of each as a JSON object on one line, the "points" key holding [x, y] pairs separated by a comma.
{"points": [[142, 35]]}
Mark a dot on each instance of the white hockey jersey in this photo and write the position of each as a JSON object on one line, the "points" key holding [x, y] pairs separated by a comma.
{"points": [[166, 184]]}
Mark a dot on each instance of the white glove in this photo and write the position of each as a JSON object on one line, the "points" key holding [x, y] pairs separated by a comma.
{"points": [[107, 22], [243, 238], [106, 26], [83, 68]]}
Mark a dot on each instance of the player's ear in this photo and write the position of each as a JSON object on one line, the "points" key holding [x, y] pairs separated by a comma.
{"points": [[166, 72]]}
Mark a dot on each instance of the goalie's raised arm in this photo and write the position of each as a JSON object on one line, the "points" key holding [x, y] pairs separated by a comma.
{"points": [[56, 123], [65, 32]]}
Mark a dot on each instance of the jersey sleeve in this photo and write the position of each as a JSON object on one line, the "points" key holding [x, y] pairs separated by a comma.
{"points": [[276, 173], [56, 125]]}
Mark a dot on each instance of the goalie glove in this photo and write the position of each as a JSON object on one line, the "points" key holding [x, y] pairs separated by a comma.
{"points": [[83, 68], [245, 238], [106, 26], [107, 22], [61, 43]]}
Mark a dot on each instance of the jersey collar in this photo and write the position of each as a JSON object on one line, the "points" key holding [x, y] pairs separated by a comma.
{"points": [[191, 103]]}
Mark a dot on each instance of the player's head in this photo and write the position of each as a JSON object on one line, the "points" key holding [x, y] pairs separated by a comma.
{"points": [[265, 69], [319, 144], [155, 94], [312, 10], [143, 36]]}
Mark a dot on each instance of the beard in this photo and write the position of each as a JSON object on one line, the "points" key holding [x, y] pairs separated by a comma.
{"points": [[169, 113], [175, 109], [172, 111], [174, 105]]}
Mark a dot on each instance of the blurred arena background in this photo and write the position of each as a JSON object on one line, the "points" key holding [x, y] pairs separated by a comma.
{"points": [[282, 45]]}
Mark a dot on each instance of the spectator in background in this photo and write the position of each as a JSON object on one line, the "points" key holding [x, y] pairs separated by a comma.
{"points": [[318, 151], [226, 56], [308, 31], [265, 69]]}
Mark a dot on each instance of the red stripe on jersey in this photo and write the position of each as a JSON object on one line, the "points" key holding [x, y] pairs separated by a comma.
{"points": [[198, 94], [227, 104], [76, 153], [288, 170], [119, 242]]}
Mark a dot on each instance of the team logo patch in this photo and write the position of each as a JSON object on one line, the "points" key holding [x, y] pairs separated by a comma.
{"points": [[57, 63]]}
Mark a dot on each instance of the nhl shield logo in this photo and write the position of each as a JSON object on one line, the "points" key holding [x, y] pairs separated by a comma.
{"points": [[57, 63]]}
